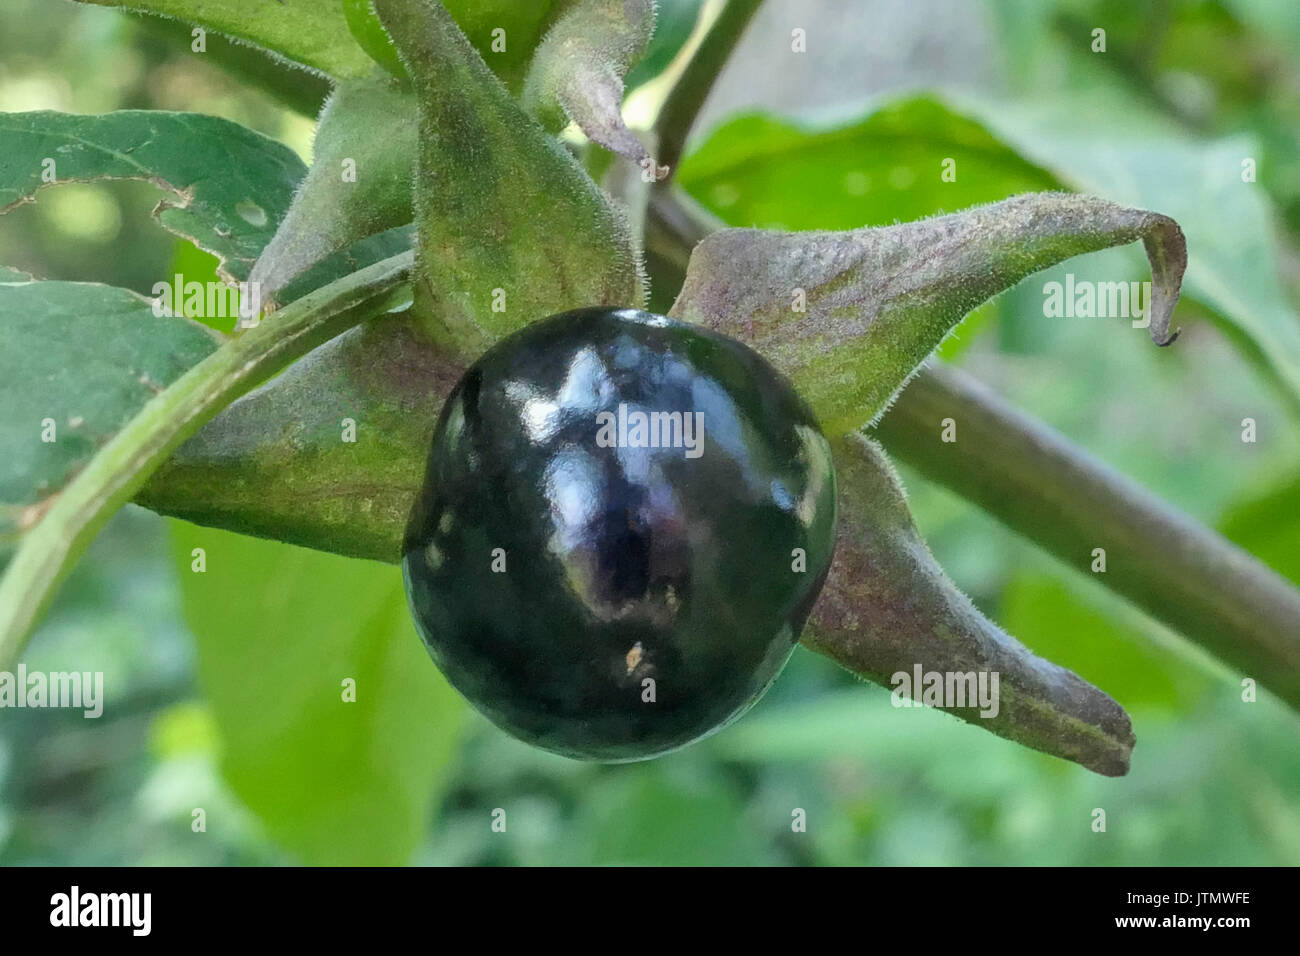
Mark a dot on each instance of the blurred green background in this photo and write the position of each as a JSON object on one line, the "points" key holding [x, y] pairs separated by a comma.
{"points": [[222, 687]]}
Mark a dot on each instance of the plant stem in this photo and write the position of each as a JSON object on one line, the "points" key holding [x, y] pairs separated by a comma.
{"points": [[122, 466], [692, 88], [1037, 483]]}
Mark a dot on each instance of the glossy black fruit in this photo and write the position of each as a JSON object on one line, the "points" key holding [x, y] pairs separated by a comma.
{"points": [[592, 593]]}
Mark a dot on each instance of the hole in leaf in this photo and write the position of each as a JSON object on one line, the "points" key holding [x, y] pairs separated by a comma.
{"points": [[251, 213]]}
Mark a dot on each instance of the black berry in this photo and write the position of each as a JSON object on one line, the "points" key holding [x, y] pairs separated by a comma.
{"points": [[624, 523]]}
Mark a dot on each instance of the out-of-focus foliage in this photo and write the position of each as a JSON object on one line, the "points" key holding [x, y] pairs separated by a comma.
{"points": [[334, 729], [1196, 66], [224, 186], [917, 157], [1214, 779]]}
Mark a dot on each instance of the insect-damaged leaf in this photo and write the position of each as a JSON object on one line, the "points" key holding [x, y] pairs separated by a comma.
{"points": [[850, 315], [510, 228], [226, 185], [577, 73]]}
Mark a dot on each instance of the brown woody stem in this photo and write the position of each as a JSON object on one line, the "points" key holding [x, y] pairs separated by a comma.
{"points": [[1039, 484]]}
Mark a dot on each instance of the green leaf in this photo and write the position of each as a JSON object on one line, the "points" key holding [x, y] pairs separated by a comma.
{"points": [[335, 782], [354, 258], [227, 186], [1268, 525], [311, 32], [77, 362], [577, 73], [318, 33], [195, 265], [674, 22], [303, 91], [758, 170], [849, 316], [684, 818], [1104, 639], [371, 35], [511, 229], [766, 172], [359, 184], [521, 27]]}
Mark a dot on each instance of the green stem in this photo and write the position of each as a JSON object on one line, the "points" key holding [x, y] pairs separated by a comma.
{"points": [[123, 465], [1037, 483], [696, 81]]}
